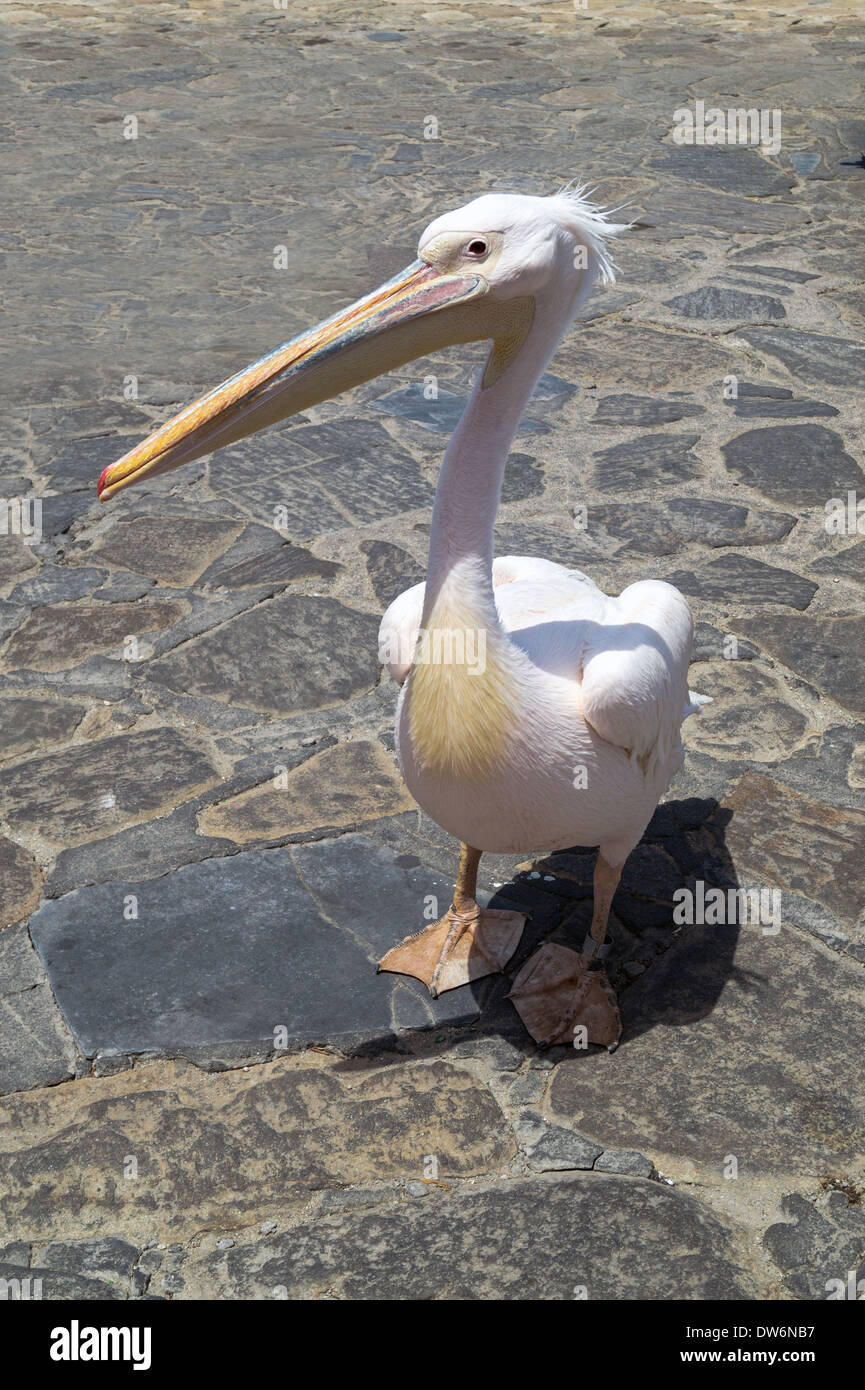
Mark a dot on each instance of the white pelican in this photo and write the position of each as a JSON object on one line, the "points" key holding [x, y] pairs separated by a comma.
{"points": [[561, 723]]}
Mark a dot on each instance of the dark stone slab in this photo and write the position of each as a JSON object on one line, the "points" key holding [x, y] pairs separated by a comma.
{"points": [[391, 570], [625, 1161], [78, 464], [811, 356], [292, 653], [106, 1257], [737, 1012], [442, 413], [627, 409], [524, 477], [65, 421], [11, 616], [593, 1236], [674, 208], [575, 548], [260, 556], [778, 272], [124, 587], [804, 464], [19, 882], [827, 651], [764, 390], [94, 788], [663, 528], [56, 636], [818, 1250], [730, 169], [60, 510], [140, 851], [847, 564], [31, 721], [225, 951], [173, 549], [35, 1046], [338, 874], [732, 579], [649, 460], [16, 558], [308, 467], [57, 584], [550, 1148], [751, 408], [715, 302], [55, 1287], [798, 843]]}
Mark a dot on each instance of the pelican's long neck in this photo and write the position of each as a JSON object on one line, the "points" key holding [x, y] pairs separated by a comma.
{"points": [[463, 696], [467, 496]]}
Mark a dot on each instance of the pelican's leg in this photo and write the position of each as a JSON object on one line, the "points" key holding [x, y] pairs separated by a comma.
{"points": [[467, 943], [559, 990]]}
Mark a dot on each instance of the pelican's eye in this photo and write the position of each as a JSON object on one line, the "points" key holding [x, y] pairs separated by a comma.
{"points": [[477, 248]]}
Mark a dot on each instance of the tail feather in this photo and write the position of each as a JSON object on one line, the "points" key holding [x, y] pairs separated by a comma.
{"points": [[694, 701]]}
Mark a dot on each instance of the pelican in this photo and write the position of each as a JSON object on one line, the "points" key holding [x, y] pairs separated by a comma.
{"points": [[535, 713]]}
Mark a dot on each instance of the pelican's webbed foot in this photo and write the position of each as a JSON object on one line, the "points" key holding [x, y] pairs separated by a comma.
{"points": [[462, 946], [466, 944], [558, 991]]}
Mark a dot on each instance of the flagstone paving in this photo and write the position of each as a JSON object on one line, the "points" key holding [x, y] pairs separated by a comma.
{"points": [[205, 843]]}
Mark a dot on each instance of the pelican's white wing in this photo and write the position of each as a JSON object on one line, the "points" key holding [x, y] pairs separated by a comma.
{"points": [[527, 592], [628, 655]]}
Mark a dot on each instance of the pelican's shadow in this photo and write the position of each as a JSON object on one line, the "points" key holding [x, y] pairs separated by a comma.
{"points": [[667, 973], [666, 970]]}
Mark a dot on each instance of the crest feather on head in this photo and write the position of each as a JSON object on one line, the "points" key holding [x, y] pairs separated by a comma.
{"points": [[574, 207]]}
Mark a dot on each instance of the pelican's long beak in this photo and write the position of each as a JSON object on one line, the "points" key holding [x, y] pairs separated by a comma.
{"points": [[418, 311]]}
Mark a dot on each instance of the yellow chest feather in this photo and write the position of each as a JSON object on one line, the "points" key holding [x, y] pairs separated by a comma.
{"points": [[462, 700]]}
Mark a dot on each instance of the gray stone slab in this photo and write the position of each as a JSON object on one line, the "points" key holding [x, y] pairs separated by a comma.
{"points": [[173, 549], [550, 1148], [645, 462], [625, 1161], [592, 1236], [94, 788], [664, 527], [730, 169], [818, 1250], [732, 579], [391, 570], [35, 1046], [804, 464], [628, 409], [260, 556], [292, 653], [138, 852], [825, 650], [750, 408], [51, 1286], [309, 467], [55, 584], [57, 636], [28, 722], [753, 1031], [846, 564], [716, 302], [811, 356], [224, 952]]}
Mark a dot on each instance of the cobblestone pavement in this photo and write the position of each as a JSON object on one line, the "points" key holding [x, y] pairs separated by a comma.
{"points": [[206, 843]]}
